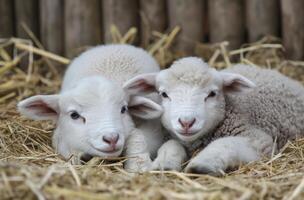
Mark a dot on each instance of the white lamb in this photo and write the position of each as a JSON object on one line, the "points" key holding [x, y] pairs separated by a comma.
{"points": [[92, 110], [237, 114]]}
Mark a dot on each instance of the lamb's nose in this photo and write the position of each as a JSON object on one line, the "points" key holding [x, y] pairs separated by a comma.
{"points": [[186, 124], [111, 139]]}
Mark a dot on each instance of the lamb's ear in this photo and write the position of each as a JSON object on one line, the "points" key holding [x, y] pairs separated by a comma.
{"points": [[141, 84], [144, 108], [40, 107], [235, 82]]}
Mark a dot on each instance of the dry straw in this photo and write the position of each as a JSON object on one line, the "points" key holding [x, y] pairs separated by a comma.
{"points": [[30, 169]]}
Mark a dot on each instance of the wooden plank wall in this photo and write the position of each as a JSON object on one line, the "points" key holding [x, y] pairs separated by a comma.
{"points": [[64, 26], [82, 25], [6, 19], [51, 25], [124, 14]]}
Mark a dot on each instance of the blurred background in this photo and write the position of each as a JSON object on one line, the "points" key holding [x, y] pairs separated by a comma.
{"points": [[64, 26]]}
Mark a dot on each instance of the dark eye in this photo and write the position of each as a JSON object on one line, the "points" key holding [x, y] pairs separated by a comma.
{"points": [[74, 115], [163, 94], [124, 109], [211, 94]]}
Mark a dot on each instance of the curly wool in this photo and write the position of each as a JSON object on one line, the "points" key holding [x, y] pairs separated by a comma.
{"points": [[198, 72], [275, 106], [115, 62]]}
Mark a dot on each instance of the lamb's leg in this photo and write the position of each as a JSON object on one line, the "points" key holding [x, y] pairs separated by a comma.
{"points": [[63, 148], [170, 156], [231, 151], [137, 152]]}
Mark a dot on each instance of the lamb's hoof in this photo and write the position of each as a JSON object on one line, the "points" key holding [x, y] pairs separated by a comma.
{"points": [[136, 168], [138, 165], [165, 168], [84, 158], [203, 170], [162, 165], [168, 169], [80, 158]]}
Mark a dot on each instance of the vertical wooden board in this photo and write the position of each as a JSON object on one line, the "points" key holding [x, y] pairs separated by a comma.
{"points": [[123, 14], [153, 17], [293, 28], [52, 26], [188, 14], [6, 19], [262, 18], [82, 25], [226, 22], [206, 22], [27, 11]]}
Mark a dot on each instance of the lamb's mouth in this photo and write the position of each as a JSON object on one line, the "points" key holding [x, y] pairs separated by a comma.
{"points": [[110, 151], [188, 134]]}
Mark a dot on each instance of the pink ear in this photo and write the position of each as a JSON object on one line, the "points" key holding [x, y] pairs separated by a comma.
{"points": [[144, 108], [143, 83], [40, 107], [235, 82]]}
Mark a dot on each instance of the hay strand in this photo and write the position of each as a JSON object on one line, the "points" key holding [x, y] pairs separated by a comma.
{"points": [[43, 53]]}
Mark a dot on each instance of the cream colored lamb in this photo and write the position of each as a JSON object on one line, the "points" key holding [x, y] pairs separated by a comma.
{"points": [[93, 110], [236, 114]]}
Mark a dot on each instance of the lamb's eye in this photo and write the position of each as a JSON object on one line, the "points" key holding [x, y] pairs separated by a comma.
{"points": [[124, 109], [74, 115], [211, 94], [163, 94]]}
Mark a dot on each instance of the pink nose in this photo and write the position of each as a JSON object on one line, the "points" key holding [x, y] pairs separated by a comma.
{"points": [[187, 124], [111, 139]]}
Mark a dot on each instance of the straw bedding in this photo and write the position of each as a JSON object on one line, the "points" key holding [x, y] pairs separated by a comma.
{"points": [[30, 169]]}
